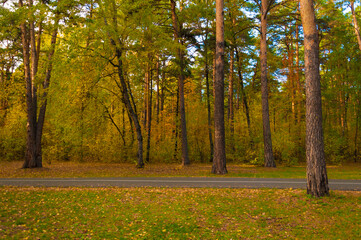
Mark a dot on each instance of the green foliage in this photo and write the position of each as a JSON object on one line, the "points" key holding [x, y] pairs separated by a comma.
{"points": [[12, 138], [85, 120]]}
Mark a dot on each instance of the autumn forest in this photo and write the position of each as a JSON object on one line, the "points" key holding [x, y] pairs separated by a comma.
{"points": [[142, 81]]}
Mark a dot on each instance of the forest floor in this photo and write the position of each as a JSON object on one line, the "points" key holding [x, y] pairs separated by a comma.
{"points": [[74, 169], [176, 213]]}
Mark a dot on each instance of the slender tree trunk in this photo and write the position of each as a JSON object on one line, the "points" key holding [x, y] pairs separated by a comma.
{"points": [[176, 127], [230, 92], [185, 156], [356, 130], [30, 159], [162, 88], [268, 152], [317, 181], [46, 83], [149, 117], [298, 79], [158, 89], [244, 98], [230, 84], [208, 99], [128, 104], [147, 107], [219, 161], [146, 96], [291, 75]]}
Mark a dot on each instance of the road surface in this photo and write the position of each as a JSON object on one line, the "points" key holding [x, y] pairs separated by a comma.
{"points": [[196, 182]]}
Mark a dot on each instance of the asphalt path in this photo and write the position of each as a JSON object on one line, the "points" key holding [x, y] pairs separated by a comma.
{"points": [[180, 182]]}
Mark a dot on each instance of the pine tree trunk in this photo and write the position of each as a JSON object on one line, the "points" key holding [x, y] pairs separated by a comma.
{"points": [[230, 92], [208, 100], [158, 87], [298, 80], [185, 155], [244, 98], [149, 112], [219, 161], [268, 152], [356, 130], [317, 181]]}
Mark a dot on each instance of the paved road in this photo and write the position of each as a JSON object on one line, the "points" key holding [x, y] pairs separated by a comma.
{"points": [[198, 182]]}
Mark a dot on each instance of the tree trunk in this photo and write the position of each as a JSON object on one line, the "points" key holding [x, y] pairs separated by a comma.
{"points": [[30, 159], [46, 83], [356, 131], [244, 98], [31, 53], [219, 161], [149, 113], [128, 104], [230, 92], [176, 127], [146, 96], [268, 152], [317, 182], [208, 99], [158, 86], [185, 156], [162, 88], [298, 79]]}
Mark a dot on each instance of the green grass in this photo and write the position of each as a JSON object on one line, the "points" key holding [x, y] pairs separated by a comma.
{"points": [[163, 213], [71, 169]]}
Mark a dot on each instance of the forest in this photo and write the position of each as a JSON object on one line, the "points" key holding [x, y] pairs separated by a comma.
{"points": [[135, 80]]}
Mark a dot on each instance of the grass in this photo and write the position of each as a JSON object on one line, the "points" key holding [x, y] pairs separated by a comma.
{"points": [[179, 213], [71, 169]]}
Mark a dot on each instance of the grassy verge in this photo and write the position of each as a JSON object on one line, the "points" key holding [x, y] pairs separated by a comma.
{"points": [[70, 169], [162, 213]]}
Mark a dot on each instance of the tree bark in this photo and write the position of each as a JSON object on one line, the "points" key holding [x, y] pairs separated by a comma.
{"points": [[298, 79], [46, 84], [30, 157], [244, 98], [149, 117], [31, 40], [208, 99], [125, 94], [158, 87], [268, 152], [219, 161], [317, 181], [176, 30], [230, 91], [356, 130]]}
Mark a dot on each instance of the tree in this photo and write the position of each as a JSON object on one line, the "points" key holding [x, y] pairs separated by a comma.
{"points": [[180, 55], [268, 152], [317, 182], [31, 36], [117, 43], [219, 161]]}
